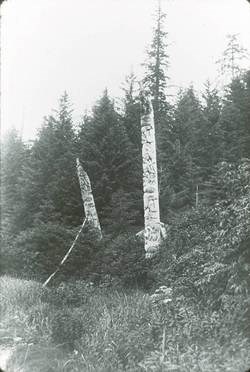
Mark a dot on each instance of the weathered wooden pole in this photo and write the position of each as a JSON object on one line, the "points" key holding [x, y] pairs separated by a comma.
{"points": [[152, 230], [88, 203]]}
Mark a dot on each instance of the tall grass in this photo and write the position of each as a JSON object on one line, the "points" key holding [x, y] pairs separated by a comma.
{"points": [[16, 293], [80, 328]]}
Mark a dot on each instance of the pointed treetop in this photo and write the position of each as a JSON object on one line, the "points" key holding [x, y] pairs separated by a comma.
{"points": [[65, 107], [232, 57]]}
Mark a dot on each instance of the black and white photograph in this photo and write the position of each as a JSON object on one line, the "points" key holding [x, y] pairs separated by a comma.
{"points": [[125, 185]]}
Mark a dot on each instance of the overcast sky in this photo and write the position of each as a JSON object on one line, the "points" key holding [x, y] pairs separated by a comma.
{"points": [[83, 46]]}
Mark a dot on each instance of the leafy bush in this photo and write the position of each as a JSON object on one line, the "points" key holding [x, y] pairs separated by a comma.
{"points": [[206, 254], [192, 339]]}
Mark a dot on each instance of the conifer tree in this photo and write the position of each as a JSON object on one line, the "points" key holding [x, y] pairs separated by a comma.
{"points": [[131, 111], [234, 120], [14, 156], [245, 142], [155, 79], [233, 55], [154, 85], [107, 155], [50, 186], [132, 123], [212, 103], [185, 161], [212, 130]]}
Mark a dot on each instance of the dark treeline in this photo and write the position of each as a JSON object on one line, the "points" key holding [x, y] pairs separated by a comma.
{"points": [[198, 137]]}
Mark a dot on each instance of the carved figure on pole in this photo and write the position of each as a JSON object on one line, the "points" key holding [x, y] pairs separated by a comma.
{"points": [[153, 226], [88, 202]]}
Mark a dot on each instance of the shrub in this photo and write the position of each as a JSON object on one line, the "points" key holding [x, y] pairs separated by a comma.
{"points": [[120, 262], [206, 253], [36, 252]]}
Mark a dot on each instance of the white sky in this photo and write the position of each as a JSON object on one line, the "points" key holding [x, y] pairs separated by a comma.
{"points": [[83, 46]]}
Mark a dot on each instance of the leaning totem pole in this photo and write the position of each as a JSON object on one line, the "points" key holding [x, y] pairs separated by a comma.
{"points": [[154, 230], [91, 217], [88, 203]]}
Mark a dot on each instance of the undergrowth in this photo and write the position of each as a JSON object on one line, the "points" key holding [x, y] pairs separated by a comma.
{"points": [[86, 328]]}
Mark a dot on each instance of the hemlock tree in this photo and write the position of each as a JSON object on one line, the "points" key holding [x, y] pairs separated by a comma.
{"points": [[212, 111], [185, 162], [132, 111], [50, 185], [131, 121], [234, 121], [14, 156], [107, 155]]}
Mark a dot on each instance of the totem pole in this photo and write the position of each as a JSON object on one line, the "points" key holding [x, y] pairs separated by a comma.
{"points": [[91, 217], [154, 230], [88, 203]]}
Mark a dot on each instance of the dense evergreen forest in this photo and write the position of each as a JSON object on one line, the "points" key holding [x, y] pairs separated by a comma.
{"points": [[203, 150], [203, 145]]}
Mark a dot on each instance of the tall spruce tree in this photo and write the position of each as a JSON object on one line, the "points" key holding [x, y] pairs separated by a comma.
{"points": [[155, 79], [154, 85]]}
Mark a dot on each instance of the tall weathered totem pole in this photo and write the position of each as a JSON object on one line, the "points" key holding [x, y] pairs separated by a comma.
{"points": [[154, 230], [89, 203]]}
